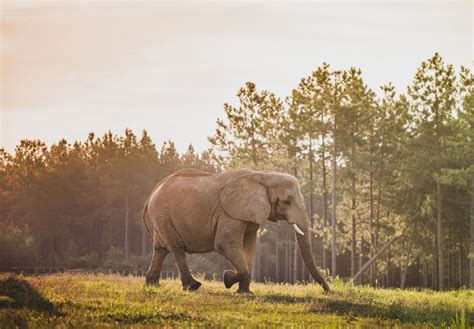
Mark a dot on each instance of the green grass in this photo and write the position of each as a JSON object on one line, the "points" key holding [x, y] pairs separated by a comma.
{"points": [[71, 301]]}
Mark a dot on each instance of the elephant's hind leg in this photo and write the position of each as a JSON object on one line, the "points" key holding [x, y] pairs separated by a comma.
{"points": [[154, 272], [187, 280]]}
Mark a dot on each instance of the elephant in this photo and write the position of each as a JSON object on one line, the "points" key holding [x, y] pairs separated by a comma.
{"points": [[198, 212]]}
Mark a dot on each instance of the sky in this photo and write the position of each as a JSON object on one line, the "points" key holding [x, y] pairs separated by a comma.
{"points": [[73, 67]]}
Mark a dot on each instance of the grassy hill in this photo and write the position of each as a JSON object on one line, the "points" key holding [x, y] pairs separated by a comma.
{"points": [[111, 301]]}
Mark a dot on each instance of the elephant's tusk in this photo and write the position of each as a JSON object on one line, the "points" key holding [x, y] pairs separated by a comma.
{"points": [[297, 229]]}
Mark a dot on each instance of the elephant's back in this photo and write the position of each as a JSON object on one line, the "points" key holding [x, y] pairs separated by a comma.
{"points": [[183, 185]]}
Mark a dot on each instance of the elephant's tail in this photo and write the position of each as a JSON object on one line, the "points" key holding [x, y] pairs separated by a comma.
{"points": [[144, 215]]}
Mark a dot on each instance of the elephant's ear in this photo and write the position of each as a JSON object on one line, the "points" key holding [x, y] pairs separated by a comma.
{"points": [[245, 199]]}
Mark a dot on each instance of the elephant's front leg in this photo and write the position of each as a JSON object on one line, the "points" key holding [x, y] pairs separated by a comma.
{"points": [[229, 242], [242, 273]]}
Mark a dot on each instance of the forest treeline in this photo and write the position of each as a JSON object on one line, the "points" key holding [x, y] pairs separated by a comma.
{"points": [[372, 165]]}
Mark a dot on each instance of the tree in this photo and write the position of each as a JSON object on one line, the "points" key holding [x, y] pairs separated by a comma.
{"points": [[307, 112], [337, 98], [246, 135], [459, 172], [357, 120], [433, 94]]}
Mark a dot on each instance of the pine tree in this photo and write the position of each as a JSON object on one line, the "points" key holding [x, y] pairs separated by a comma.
{"points": [[433, 94]]}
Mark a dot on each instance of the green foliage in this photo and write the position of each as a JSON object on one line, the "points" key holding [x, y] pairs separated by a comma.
{"points": [[115, 258], [87, 261], [246, 137], [16, 247]]}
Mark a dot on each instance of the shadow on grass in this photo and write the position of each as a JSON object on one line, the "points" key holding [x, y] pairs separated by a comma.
{"points": [[18, 293], [394, 311]]}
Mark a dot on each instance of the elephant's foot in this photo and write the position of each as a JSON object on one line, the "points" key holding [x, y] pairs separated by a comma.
{"points": [[244, 291], [244, 286], [230, 278], [152, 279], [192, 286]]}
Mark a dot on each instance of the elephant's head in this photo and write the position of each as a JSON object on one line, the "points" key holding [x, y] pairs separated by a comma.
{"points": [[257, 197]]}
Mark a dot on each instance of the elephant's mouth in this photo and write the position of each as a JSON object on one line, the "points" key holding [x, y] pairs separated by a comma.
{"points": [[276, 218], [275, 215]]}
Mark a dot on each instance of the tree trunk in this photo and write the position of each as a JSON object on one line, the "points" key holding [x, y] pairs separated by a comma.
{"points": [[425, 272], [450, 260], [371, 229], [377, 227], [311, 211], [334, 207], [460, 263], [379, 197], [311, 201], [389, 267], [353, 244], [440, 238], [334, 180], [371, 211], [359, 280], [471, 244], [325, 195], [372, 259], [406, 262], [381, 250], [401, 276], [126, 226], [353, 223]]}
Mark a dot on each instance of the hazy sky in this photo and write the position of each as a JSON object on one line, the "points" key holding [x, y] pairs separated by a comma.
{"points": [[68, 68]]}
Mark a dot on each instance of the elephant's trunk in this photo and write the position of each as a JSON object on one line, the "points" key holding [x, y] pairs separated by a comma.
{"points": [[304, 243]]}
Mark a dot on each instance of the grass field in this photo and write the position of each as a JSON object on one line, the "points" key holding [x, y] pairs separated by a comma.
{"points": [[72, 301]]}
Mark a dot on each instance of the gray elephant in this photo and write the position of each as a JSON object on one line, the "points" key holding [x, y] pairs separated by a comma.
{"points": [[198, 212]]}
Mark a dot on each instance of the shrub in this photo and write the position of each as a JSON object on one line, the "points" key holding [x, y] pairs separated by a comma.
{"points": [[90, 260], [16, 246], [115, 258]]}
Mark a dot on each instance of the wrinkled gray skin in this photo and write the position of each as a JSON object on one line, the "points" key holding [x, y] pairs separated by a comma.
{"points": [[197, 212]]}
